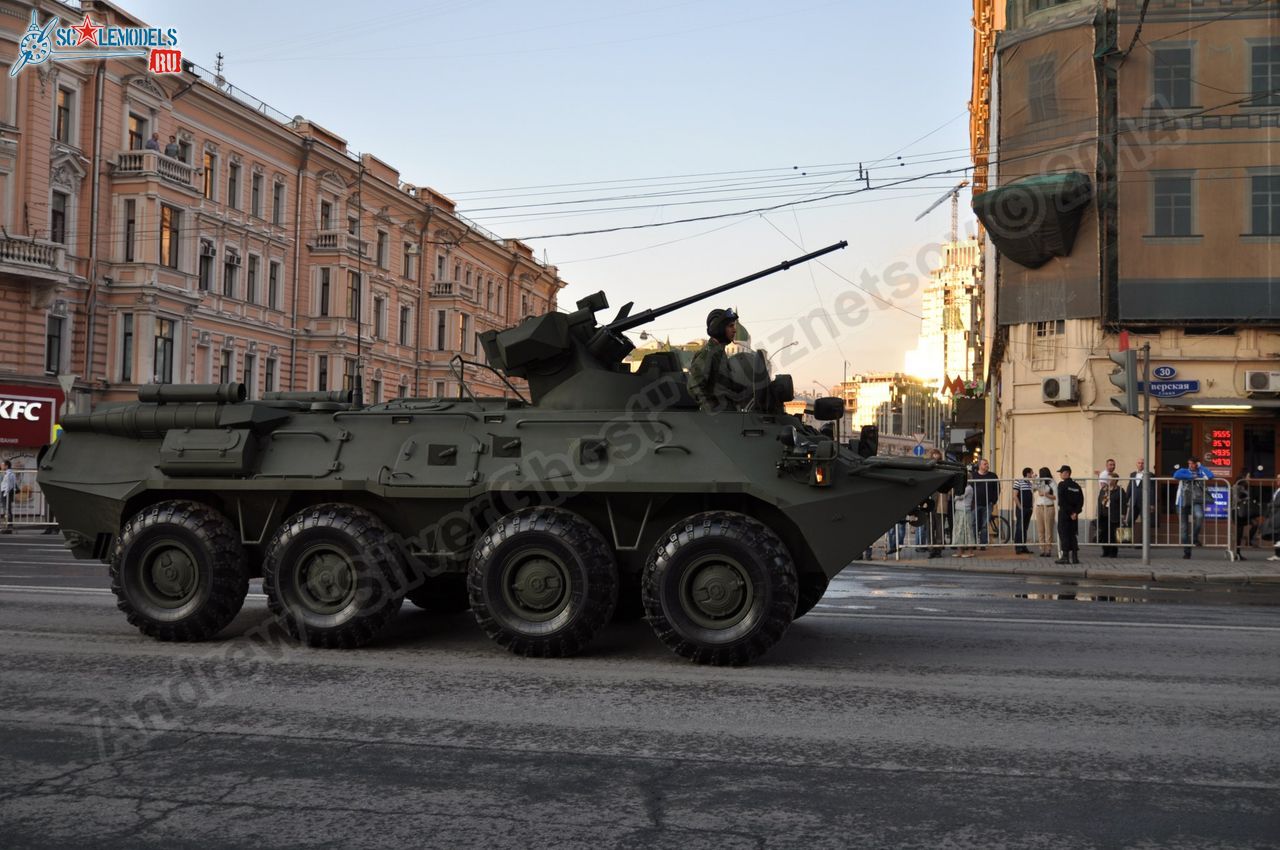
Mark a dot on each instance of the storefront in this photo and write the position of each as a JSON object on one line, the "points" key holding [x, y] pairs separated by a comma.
{"points": [[1231, 437], [27, 418]]}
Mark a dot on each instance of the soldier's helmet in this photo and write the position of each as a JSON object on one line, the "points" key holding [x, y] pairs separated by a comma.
{"points": [[718, 319]]}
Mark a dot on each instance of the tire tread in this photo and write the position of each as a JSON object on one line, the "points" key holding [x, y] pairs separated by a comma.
{"points": [[229, 579], [756, 537]]}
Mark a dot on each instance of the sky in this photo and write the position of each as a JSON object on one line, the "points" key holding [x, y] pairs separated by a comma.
{"points": [[561, 116]]}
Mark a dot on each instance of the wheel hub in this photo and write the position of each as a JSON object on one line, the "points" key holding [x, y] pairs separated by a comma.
{"points": [[170, 575], [537, 587], [327, 580], [716, 592]]}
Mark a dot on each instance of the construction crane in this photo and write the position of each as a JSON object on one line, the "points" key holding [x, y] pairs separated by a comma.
{"points": [[954, 195]]}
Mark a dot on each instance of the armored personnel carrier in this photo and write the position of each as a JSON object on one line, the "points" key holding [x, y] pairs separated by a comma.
{"points": [[604, 492]]}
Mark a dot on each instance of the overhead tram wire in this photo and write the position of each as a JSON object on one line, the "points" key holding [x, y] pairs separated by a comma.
{"points": [[889, 184], [904, 181], [720, 178]]}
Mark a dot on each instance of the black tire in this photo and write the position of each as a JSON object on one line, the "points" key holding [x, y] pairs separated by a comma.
{"points": [[812, 587], [543, 582], [1001, 530], [442, 594], [747, 579], [179, 572], [333, 576]]}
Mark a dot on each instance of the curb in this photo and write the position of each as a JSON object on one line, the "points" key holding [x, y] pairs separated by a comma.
{"points": [[1155, 575]]}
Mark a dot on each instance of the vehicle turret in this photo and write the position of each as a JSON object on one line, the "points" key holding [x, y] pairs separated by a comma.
{"points": [[571, 361]]}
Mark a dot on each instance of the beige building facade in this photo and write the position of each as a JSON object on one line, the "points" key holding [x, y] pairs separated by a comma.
{"points": [[245, 246], [949, 346], [1169, 120]]}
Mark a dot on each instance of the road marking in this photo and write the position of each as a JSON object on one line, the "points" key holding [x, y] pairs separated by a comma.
{"points": [[8, 563], [1037, 621], [71, 591]]}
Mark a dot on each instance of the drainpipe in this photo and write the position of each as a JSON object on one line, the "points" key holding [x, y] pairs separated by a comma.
{"points": [[297, 262], [422, 287], [91, 300]]}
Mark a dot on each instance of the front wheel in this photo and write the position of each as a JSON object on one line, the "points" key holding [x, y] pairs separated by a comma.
{"points": [[543, 582], [720, 588], [179, 572], [811, 590]]}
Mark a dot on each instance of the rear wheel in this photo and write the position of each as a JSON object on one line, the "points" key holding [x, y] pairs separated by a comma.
{"points": [[720, 588], [543, 582], [179, 572], [333, 575]]}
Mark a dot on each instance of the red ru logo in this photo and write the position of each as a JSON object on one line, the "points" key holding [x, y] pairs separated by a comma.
{"points": [[165, 61]]}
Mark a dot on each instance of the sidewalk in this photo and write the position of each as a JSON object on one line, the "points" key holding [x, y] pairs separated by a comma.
{"points": [[1167, 565]]}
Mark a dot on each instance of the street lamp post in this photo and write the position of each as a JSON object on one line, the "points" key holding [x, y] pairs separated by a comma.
{"points": [[780, 350]]}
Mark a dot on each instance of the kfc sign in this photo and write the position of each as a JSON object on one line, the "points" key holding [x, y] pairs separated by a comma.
{"points": [[28, 414]]}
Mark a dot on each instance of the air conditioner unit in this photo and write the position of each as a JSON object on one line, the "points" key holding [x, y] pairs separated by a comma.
{"points": [[1060, 389], [233, 259], [207, 249], [205, 336], [1261, 382]]}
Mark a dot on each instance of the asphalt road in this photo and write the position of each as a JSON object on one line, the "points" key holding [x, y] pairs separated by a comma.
{"points": [[911, 709]]}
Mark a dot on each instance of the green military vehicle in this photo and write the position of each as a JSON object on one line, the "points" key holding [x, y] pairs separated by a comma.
{"points": [[604, 493]]}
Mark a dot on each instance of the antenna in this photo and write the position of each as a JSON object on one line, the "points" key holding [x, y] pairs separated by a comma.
{"points": [[954, 195]]}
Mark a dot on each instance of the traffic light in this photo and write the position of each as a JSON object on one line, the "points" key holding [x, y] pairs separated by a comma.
{"points": [[1125, 376]]}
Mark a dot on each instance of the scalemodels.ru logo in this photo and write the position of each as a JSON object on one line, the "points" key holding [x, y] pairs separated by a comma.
{"points": [[89, 41]]}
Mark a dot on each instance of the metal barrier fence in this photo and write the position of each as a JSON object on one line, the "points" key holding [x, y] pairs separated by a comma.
{"points": [[29, 509], [1213, 513]]}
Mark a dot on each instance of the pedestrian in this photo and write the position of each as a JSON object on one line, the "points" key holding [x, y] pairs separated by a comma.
{"points": [[897, 538], [1070, 504], [710, 382], [1108, 471], [1045, 501], [1271, 526], [153, 143], [171, 149], [8, 495], [1192, 493], [934, 531], [964, 519], [985, 500], [1023, 507], [1246, 510], [1136, 516], [1112, 506]]}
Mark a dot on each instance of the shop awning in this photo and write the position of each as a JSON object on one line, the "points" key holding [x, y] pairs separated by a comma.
{"points": [[1035, 219], [1222, 405]]}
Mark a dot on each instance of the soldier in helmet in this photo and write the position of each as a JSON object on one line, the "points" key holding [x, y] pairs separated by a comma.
{"points": [[710, 382]]}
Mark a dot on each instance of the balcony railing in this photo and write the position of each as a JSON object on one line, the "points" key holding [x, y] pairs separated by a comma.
{"points": [[452, 289], [129, 163], [339, 241], [33, 254]]}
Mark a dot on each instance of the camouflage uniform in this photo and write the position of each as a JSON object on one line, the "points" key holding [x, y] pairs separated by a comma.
{"points": [[710, 382]]}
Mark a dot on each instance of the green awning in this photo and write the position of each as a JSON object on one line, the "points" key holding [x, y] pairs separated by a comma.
{"points": [[1035, 219]]}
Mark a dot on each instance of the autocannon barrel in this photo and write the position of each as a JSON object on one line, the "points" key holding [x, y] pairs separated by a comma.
{"points": [[178, 393], [646, 316]]}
